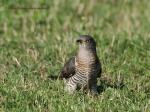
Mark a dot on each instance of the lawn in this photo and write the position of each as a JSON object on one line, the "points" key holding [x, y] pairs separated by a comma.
{"points": [[38, 37]]}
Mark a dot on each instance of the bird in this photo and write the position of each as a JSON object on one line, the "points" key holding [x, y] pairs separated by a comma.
{"points": [[83, 69]]}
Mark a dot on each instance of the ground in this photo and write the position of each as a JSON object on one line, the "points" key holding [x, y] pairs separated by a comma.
{"points": [[36, 39]]}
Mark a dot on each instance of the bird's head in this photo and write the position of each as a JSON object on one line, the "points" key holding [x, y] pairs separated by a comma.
{"points": [[86, 42]]}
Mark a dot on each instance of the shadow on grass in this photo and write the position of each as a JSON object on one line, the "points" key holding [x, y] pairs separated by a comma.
{"points": [[105, 83]]}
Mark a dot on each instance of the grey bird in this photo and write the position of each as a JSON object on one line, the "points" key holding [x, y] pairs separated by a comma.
{"points": [[82, 70]]}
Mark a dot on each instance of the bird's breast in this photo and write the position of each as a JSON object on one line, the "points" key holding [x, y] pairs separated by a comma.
{"points": [[86, 64]]}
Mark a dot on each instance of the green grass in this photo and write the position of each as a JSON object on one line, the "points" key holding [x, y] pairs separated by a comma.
{"points": [[35, 43]]}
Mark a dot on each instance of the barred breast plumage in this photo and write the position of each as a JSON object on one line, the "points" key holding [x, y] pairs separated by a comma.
{"points": [[85, 67]]}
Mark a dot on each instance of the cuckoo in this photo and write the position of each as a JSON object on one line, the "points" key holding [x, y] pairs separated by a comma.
{"points": [[83, 69]]}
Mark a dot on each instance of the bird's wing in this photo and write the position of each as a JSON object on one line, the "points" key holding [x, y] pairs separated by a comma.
{"points": [[99, 67], [69, 69]]}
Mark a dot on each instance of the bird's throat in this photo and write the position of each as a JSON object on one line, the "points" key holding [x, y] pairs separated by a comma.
{"points": [[86, 55]]}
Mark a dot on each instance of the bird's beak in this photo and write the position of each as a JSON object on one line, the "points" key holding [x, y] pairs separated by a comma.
{"points": [[81, 42], [78, 40]]}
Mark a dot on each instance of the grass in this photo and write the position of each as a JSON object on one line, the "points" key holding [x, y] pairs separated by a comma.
{"points": [[35, 43]]}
